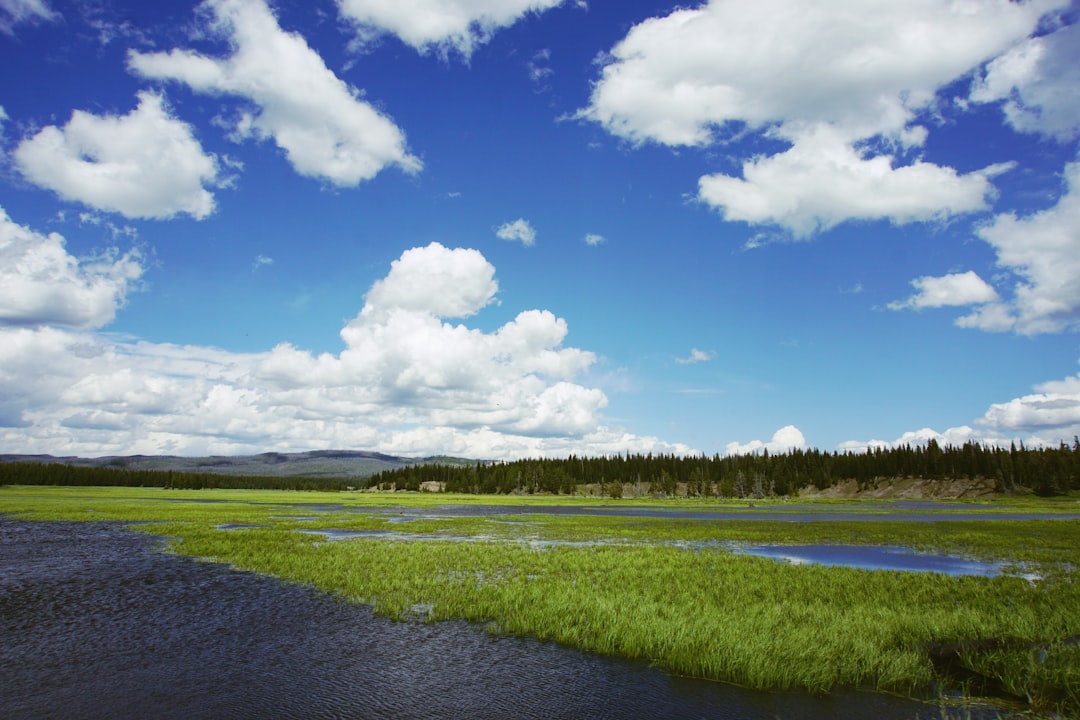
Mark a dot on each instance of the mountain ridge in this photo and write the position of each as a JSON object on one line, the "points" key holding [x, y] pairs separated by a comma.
{"points": [[310, 463]]}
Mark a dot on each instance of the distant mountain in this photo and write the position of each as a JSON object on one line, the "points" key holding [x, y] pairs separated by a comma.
{"points": [[314, 463]]}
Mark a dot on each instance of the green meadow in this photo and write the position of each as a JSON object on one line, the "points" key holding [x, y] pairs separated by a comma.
{"points": [[667, 590]]}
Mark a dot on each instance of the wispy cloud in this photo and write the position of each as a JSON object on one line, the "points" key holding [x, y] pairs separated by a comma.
{"points": [[519, 230], [697, 356], [13, 12]]}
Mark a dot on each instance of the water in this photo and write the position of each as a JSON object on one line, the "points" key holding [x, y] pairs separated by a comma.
{"points": [[864, 557], [98, 623], [901, 511], [872, 557], [905, 512]]}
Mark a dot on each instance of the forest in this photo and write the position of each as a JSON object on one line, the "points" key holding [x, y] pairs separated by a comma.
{"points": [[1044, 471], [40, 473]]}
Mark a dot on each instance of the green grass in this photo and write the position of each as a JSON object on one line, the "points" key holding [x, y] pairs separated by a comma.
{"points": [[631, 590]]}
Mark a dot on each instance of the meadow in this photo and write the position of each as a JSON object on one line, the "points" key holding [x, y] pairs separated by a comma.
{"points": [[669, 590]]}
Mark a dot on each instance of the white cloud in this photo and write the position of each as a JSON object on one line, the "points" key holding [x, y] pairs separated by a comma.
{"points": [[441, 25], [319, 121], [519, 230], [145, 164], [822, 180], [1041, 412], [13, 12], [539, 70], [956, 437], [1043, 252], [261, 261], [1050, 414], [1046, 417], [1038, 81], [824, 75], [697, 356], [863, 66], [406, 382], [592, 239], [41, 284], [954, 289], [448, 283], [786, 438]]}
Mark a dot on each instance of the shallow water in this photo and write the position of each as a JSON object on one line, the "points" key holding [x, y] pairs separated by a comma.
{"points": [[901, 510], [873, 557], [98, 623], [865, 557], [793, 513]]}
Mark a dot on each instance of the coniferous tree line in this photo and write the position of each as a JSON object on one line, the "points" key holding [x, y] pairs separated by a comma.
{"points": [[1045, 471]]}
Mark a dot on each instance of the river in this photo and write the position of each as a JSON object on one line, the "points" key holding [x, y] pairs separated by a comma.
{"points": [[99, 623]]}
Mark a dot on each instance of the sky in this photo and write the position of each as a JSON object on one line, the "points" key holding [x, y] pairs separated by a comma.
{"points": [[537, 227]]}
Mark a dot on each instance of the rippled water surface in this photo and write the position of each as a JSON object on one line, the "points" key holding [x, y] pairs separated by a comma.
{"points": [[98, 623]]}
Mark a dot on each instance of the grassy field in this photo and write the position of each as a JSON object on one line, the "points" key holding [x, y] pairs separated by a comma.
{"points": [[668, 590]]}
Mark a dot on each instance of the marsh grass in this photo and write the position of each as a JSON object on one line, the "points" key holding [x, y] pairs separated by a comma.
{"points": [[632, 590]]}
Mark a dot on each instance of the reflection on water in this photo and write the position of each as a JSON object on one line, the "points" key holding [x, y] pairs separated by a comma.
{"points": [[906, 512], [865, 557], [903, 511], [99, 624], [870, 557]]}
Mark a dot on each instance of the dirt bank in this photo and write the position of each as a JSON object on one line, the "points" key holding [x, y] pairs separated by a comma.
{"points": [[907, 488]]}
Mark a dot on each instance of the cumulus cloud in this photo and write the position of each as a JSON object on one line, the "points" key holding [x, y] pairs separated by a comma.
{"points": [[786, 438], [408, 381], [447, 283], [697, 356], [592, 239], [862, 66], [400, 351], [1048, 416], [1043, 252], [956, 436], [320, 122], [146, 164], [1036, 82], [822, 180], [954, 289], [824, 76], [519, 230], [440, 25], [13, 12], [41, 284]]}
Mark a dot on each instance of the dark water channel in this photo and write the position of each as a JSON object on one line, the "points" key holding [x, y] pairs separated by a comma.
{"points": [[96, 622]]}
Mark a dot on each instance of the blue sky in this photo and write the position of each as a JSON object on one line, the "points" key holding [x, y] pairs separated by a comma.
{"points": [[536, 227]]}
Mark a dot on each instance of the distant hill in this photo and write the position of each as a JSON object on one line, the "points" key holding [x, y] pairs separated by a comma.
{"points": [[314, 463]]}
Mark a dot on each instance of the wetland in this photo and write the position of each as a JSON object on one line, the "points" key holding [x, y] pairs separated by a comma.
{"points": [[533, 608]]}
